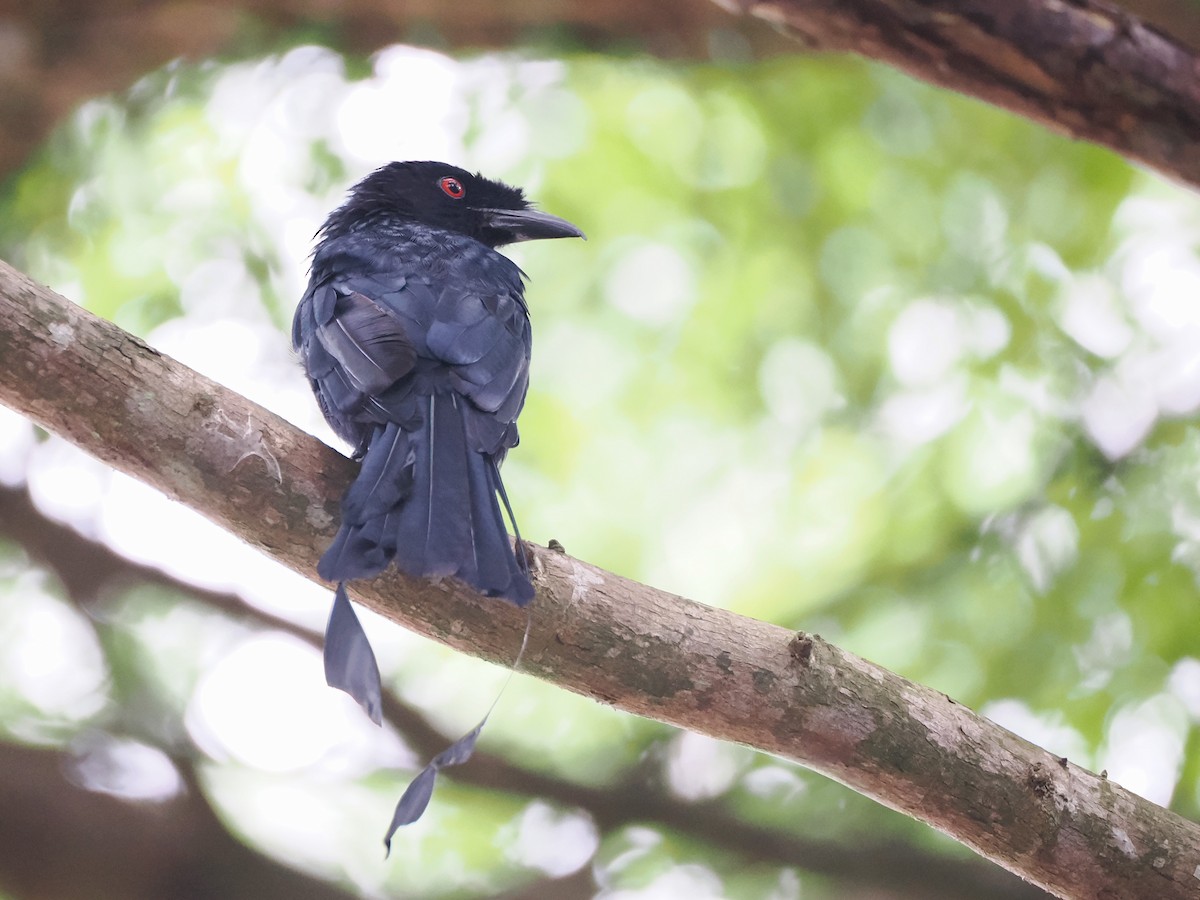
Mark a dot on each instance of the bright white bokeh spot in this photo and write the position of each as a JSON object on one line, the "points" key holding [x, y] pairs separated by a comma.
{"points": [[323, 825], [1145, 745], [1174, 372], [1184, 683], [502, 145], [410, 110], [988, 330], [788, 887], [49, 655], [1185, 522], [930, 337], [913, 417], [557, 843], [1118, 414], [1161, 278], [1047, 730], [799, 383], [220, 286], [1038, 393], [266, 705], [67, 484], [313, 82], [305, 76], [993, 463], [16, 446], [690, 880], [145, 526], [775, 783], [1107, 648], [1044, 261], [635, 842], [224, 349], [711, 538], [653, 284], [1090, 314], [124, 768], [700, 768], [1047, 543], [1152, 330], [631, 847]]}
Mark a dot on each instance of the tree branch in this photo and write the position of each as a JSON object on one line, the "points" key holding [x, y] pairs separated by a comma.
{"points": [[596, 633], [1084, 68]]}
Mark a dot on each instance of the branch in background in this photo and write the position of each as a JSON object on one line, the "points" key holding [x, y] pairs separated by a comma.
{"points": [[577, 886], [64, 842], [119, 850], [55, 56], [87, 567], [639, 649], [1084, 68]]}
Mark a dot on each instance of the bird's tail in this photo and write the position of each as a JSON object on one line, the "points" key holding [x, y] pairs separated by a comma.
{"points": [[428, 499]]}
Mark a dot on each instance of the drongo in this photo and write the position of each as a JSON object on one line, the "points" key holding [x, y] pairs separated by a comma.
{"points": [[415, 337]]}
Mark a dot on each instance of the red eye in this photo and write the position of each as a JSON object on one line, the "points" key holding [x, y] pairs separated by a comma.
{"points": [[453, 187]]}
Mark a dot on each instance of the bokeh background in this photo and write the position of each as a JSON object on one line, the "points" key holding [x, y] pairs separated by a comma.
{"points": [[843, 352]]}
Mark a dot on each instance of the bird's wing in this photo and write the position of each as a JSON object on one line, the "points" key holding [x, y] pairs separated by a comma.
{"points": [[481, 328], [354, 347], [369, 339]]}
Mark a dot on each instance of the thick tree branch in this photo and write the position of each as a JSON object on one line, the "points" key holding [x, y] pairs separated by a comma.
{"points": [[87, 567], [1085, 68], [596, 633]]}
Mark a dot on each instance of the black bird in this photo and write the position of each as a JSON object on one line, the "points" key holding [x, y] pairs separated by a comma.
{"points": [[416, 340]]}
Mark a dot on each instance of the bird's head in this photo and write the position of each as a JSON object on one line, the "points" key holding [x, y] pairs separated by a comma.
{"points": [[444, 196]]}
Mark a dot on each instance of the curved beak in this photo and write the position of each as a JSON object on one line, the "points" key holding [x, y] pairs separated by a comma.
{"points": [[508, 226]]}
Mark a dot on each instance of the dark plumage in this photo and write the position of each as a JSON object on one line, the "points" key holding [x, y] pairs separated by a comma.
{"points": [[415, 337]]}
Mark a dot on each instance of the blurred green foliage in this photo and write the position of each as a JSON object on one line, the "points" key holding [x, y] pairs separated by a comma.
{"points": [[842, 351]]}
